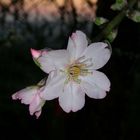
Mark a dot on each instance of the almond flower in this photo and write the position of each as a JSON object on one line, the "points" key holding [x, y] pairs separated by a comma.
{"points": [[75, 72], [31, 96]]}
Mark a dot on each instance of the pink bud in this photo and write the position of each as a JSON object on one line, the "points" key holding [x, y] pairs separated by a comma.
{"points": [[35, 53]]}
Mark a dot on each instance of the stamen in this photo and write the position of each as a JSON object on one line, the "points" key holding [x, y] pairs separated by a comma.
{"points": [[62, 71], [67, 80], [79, 68], [87, 60], [85, 72], [90, 65], [77, 81]]}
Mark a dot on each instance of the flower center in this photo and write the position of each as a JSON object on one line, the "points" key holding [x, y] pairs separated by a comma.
{"points": [[77, 69], [74, 71]]}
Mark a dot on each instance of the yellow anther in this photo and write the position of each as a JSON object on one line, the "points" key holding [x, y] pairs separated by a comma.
{"points": [[77, 69], [74, 71]]}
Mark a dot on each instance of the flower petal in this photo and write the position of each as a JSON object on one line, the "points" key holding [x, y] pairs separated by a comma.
{"points": [[77, 44], [25, 95], [30, 95], [38, 113], [35, 53], [36, 105], [99, 79], [100, 54], [78, 101], [54, 85], [71, 48], [65, 99], [93, 91], [72, 98], [53, 60]]}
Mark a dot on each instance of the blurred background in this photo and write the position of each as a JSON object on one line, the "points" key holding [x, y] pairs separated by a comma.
{"points": [[39, 24]]}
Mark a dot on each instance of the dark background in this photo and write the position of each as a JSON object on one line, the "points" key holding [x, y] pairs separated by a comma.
{"points": [[116, 117]]}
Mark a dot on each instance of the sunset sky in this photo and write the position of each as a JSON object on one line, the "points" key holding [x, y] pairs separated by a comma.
{"points": [[48, 9], [60, 2]]}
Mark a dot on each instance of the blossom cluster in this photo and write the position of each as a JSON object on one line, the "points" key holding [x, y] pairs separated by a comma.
{"points": [[72, 74]]}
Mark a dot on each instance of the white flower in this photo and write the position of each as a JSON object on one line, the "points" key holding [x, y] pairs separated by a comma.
{"points": [[31, 96], [74, 72]]}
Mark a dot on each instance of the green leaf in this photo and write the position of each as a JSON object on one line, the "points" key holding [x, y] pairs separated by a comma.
{"points": [[119, 5], [112, 35], [134, 15], [119, 1], [100, 20]]}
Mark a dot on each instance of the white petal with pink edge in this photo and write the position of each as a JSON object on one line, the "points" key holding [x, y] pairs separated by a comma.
{"points": [[77, 44], [53, 60], [72, 98], [25, 95], [36, 105], [35, 53], [31, 96], [99, 79], [54, 85], [92, 90], [99, 53]]}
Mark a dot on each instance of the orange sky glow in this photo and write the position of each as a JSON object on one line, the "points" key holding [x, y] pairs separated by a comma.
{"points": [[50, 9]]}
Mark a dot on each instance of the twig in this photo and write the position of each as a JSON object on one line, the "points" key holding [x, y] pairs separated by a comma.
{"points": [[115, 22]]}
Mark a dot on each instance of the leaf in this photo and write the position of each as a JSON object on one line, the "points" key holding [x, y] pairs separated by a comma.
{"points": [[112, 35], [119, 5], [100, 20], [134, 15]]}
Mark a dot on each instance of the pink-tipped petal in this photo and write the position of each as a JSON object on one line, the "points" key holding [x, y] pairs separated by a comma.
{"points": [[31, 96], [54, 86], [25, 95], [77, 44], [36, 105], [92, 90], [35, 53], [99, 53], [72, 98], [38, 113], [99, 79], [15, 96], [56, 59], [73, 36]]}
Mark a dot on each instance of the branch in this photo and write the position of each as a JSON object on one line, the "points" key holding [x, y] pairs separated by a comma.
{"points": [[115, 22]]}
